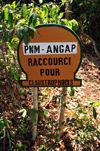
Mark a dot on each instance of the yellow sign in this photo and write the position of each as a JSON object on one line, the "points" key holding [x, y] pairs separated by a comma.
{"points": [[51, 58]]}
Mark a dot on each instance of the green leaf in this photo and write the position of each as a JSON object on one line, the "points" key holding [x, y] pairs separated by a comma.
{"points": [[25, 11], [34, 20], [16, 75], [70, 25], [26, 35], [36, 111], [67, 120], [41, 21], [41, 147], [6, 12], [62, 123], [72, 91], [97, 103], [57, 136], [94, 113], [32, 117], [45, 112], [75, 24], [31, 19], [14, 4], [20, 147], [61, 15], [11, 133], [10, 34], [64, 104], [10, 18], [19, 33], [1, 137]]}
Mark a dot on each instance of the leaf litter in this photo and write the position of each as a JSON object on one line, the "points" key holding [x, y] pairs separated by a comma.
{"points": [[49, 104]]}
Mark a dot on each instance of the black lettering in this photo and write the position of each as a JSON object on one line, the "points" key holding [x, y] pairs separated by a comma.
{"points": [[66, 82], [49, 82], [42, 82], [39, 82], [29, 62], [59, 82], [30, 49], [65, 63], [40, 64], [55, 61], [47, 72], [55, 82], [52, 72], [44, 61], [55, 48], [71, 82], [35, 62], [35, 83], [73, 47], [45, 82], [49, 49], [36, 49], [50, 61], [63, 82], [60, 49], [57, 72], [41, 72], [69, 60], [67, 48], [25, 48], [61, 61], [30, 82], [52, 82]]}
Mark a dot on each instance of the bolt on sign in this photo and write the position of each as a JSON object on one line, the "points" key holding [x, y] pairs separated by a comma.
{"points": [[51, 58]]}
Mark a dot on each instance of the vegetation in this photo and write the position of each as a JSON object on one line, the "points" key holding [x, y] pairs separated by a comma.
{"points": [[16, 111]]}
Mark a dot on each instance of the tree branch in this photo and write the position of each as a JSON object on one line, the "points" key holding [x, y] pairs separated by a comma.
{"points": [[94, 45]]}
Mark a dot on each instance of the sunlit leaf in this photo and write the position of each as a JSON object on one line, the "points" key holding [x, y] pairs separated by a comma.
{"points": [[6, 13], [75, 24], [61, 15], [24, 113], [25, 11], [97, 103]]}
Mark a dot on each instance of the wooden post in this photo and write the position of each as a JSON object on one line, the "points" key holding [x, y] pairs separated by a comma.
{"points": [[62, 110], [68, 10], [68, 15], [35, 105]]}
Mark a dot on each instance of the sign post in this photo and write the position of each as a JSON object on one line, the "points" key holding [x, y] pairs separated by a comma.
{"points": [[51, 58]]}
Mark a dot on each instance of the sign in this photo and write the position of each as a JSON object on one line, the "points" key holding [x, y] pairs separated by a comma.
{"points": [[51, 58]]}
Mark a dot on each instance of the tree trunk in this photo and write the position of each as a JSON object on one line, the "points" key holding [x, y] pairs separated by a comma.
{"points": [[62, 111], [35, 104], [68, 10]]}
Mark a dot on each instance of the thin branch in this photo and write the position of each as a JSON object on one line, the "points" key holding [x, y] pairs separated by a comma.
{"points": [[94, 45]]}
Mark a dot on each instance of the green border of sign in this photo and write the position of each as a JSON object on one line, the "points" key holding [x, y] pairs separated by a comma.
{"points": [[60, 26]]}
